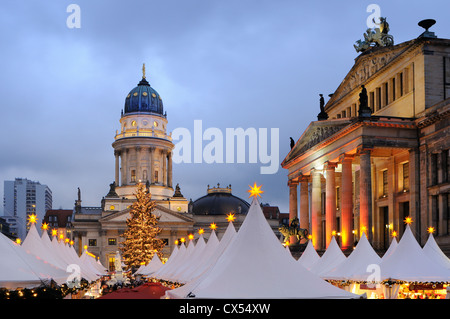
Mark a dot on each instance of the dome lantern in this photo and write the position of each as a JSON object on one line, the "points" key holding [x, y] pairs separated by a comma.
{"points": [[144, 99]]}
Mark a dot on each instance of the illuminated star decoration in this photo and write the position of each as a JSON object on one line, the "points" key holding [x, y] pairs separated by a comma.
{"points": [[191, 236], [394, 233], [231, 217], [44, 226], [201, 231], [408, 220], [213, 226], [54, 232], [255, 191], [430, 230], [32, 219]]}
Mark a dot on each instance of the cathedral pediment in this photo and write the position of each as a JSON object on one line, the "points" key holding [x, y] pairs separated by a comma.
{"points": [[366, 66], [166, 216], [316, 133]]}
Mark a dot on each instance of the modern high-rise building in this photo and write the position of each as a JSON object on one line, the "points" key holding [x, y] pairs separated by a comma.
{"points": [[22, 198]]}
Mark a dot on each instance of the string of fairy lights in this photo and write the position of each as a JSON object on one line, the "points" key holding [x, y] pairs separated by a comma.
{"points": [[53, 291]]}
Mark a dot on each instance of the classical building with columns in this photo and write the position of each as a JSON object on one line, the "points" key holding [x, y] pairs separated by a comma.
{"points": [[143, 153], [379, 151]]}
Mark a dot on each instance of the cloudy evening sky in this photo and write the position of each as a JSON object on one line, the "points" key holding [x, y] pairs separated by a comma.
{"points": [[246, 63]]}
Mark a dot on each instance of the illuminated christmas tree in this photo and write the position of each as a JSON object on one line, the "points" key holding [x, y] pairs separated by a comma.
{"points": [[142, 229]]}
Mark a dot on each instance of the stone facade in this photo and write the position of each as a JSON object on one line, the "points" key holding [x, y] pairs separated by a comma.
{"points": [[368, 172]]}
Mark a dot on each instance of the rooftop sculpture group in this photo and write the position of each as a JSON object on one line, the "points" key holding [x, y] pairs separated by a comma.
{"points": [[377, 37]]}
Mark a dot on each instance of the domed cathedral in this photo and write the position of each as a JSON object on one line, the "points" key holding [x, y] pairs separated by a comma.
{"points": [[143, 148], [143, 153]]}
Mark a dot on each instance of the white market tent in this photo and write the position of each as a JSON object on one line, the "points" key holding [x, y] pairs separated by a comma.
{"points": [[176, 257], [35, 246], [245, 270], [59, 255], [21, 269], [358, 265], [90, 269], [432, 250], [330, 259], [392, 246], [309, 256], [410, 263], [200, 258], [211, 257], [180, 261], [56, 254], [154, 265], [170, 260], [190, 259], [67, 257]]}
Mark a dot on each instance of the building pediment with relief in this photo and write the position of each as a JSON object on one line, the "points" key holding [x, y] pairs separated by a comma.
{"points": [[315, 133], [366, 66], [166, 216]]}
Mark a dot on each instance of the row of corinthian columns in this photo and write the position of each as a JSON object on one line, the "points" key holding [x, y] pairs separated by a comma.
{"points": [[122, 172], [313, 203]]}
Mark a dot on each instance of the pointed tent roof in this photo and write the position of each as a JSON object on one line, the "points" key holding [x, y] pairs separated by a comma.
{"points": [[408, 262], [309, 256], [34, 245], [244, 270], [195, 254], [89, 267], [199, 260], [355, 266], [432, 250], [180, 261], [330, 259], [392, 246], [169, 261], [171, 264], [154, 265], [21, 269], [210, 259], [57, 254]]}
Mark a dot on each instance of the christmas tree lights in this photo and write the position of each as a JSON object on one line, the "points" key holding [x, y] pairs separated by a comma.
{"points": [[141, 241]]}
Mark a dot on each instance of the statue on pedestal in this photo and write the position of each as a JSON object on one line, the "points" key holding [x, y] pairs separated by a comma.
{"points": [[322, 115], [364, 109], [293, 230]]}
